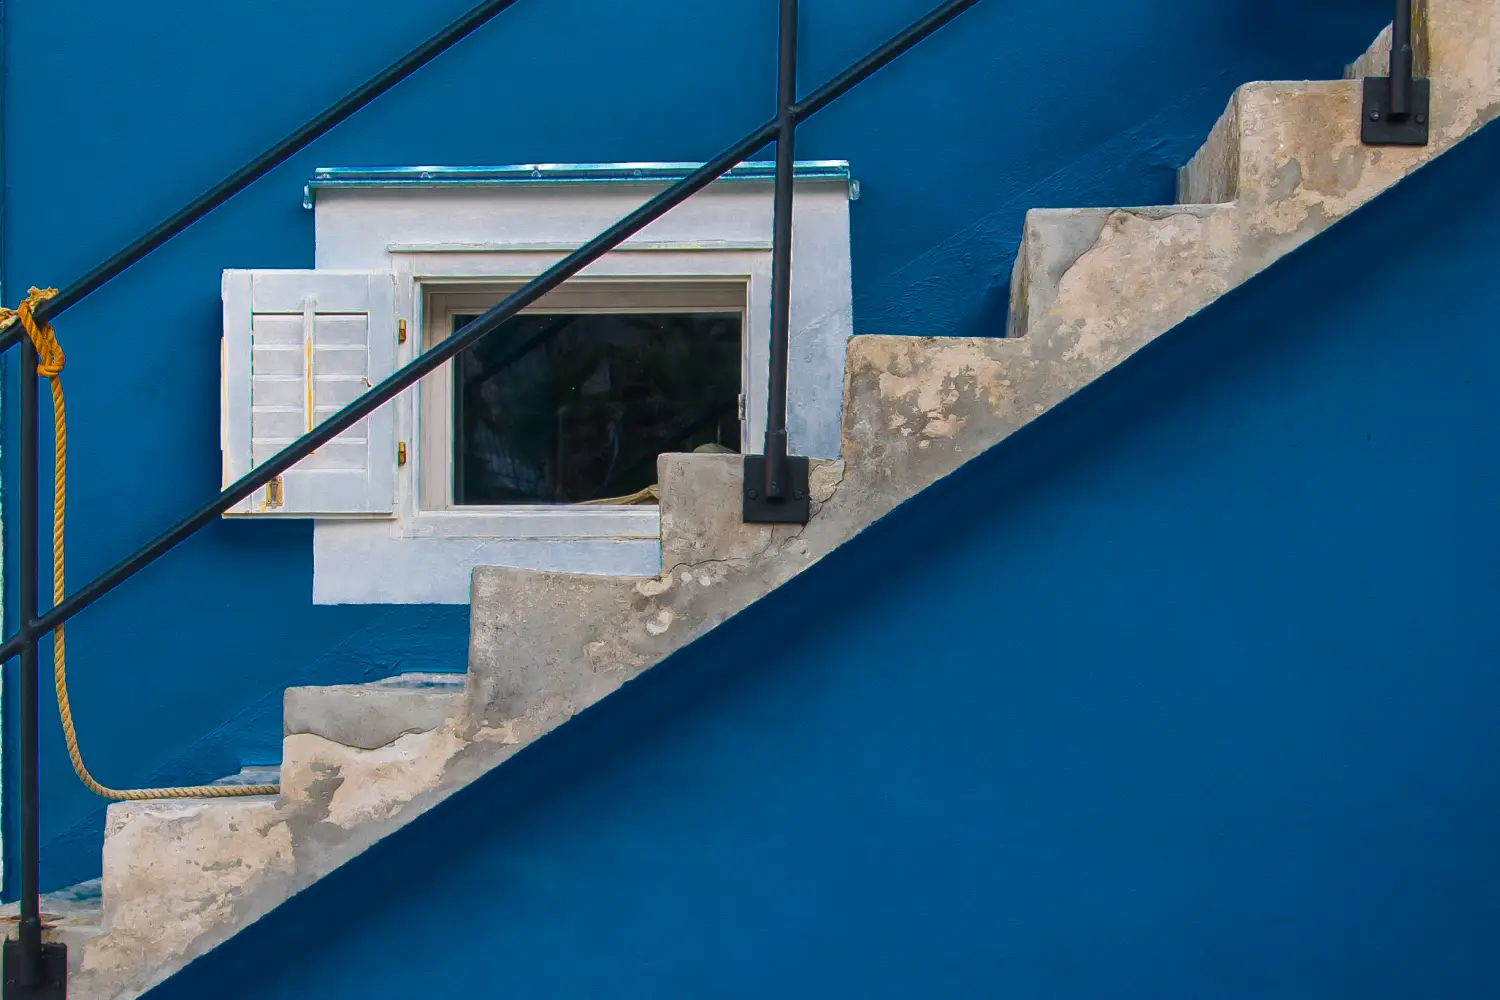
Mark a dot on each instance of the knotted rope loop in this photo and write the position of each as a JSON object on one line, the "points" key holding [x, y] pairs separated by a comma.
{"points": [[49, 354]]}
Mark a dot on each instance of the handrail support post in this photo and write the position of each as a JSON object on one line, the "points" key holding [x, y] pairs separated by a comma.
{"points": [[1396, 108], [1402, 63], [32, 970], [776, 484]]}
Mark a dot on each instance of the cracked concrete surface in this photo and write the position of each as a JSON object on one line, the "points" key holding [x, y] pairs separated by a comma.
{"points": [[1090, 288]]}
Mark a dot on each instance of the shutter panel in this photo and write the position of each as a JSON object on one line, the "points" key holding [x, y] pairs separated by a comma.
{"points": [[299, 346]]}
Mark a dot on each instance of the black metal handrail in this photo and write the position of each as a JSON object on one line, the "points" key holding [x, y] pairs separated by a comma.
{"points": [[778, 482], [774, 476], [1402, 63]]}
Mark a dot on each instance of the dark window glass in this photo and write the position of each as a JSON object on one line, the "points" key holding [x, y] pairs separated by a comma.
{"points": [[569, 408]]}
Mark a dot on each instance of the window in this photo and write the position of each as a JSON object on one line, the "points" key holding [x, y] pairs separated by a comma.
{"points": [[572, 401], [541, 457], [574, 408]]}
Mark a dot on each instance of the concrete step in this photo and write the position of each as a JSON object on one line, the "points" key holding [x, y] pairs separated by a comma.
{"points": [[544, 646], [1259, 153], [79, 914], [1084, 274], [173, 870], [1291, 151], [373, 715]]}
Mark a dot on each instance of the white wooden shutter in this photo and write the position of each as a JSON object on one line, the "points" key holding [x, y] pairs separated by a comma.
{"points": [[298, 347]]}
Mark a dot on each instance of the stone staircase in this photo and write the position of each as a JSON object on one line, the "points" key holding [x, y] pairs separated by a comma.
{"points": [[1091, 287]]}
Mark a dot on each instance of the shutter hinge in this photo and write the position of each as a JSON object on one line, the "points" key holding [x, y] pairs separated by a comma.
{"points": [[742, 406], [275, 494], [401, 453], [401, 331]]}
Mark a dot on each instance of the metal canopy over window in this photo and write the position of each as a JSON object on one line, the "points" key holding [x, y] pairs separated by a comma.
{"points": [[345, 178]]}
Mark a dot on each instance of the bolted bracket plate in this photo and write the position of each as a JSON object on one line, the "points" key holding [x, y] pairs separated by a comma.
{"points": [[1378, 127], [796, 508], [54, 984]]}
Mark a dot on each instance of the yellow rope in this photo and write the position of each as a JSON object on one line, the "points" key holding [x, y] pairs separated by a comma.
{"points": [[649, 495], [50, 366]]}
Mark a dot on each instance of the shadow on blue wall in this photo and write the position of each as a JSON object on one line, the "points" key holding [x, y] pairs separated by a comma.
{"points": [[1018, 104], [1186, 691]]}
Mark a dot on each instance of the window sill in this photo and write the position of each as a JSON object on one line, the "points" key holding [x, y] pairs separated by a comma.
{"points": [[537, 522]]}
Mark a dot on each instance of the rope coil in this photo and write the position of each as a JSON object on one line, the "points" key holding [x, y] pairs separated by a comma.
{"points": [[50, 361]]}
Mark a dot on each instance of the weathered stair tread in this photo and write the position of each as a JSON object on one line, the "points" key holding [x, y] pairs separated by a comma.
{"points": [[76, 912], [376, 714]]}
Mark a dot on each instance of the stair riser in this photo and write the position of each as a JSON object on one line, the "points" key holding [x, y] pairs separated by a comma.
{"points": [[366, 716], [182, 876], [1293, 149], [544, 646], [175, 872], [1212, 176]]}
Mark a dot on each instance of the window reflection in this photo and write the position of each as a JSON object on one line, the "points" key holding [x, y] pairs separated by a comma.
{"points": [[570, 408]]}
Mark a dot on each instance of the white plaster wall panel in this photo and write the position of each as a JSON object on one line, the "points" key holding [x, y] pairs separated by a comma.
{"points": [[429, 237]]}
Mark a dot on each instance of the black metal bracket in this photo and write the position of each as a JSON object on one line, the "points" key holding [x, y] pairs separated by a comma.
{"points": [[794, 508], [54, 979], [1382, 127]]}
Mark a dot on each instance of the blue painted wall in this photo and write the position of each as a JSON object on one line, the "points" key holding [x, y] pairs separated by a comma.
{"points": [[116, 113], [1201, 702]]}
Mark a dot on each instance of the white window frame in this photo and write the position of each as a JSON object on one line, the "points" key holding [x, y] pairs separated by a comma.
{"points": [[441, 302], [439, 241], [424, 273]]}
